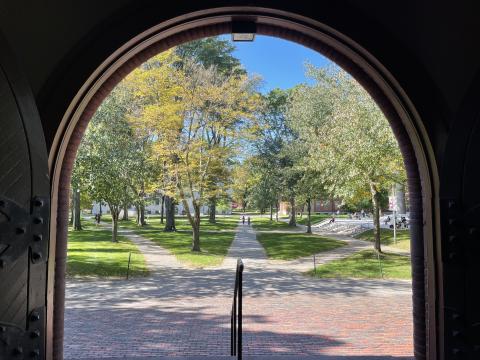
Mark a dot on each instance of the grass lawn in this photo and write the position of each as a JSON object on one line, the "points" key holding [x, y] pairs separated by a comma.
{"points": [[92, 253], [365, 265], [386, 238], [288, 246], [264, 224], [215, 239]]}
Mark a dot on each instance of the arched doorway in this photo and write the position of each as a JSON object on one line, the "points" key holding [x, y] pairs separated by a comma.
{"points": [[380, 84]]}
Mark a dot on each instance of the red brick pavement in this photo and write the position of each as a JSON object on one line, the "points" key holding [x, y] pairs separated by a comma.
{"points": [[300, 324], [182, 312]]}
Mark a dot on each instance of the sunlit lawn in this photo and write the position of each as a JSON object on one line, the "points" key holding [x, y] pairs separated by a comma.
{"points": [[365, 264], [386, 237], [215, 239], [91, 252], [264, 224], [288, 246]]}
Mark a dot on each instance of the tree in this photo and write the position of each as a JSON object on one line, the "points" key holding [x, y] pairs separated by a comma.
{"points": [[309, 187], [211, 52], [109, 156], [349, 140], [76, 184], [170, 214], [78, 187], [243, 183], [275, 160], [196, 115]]}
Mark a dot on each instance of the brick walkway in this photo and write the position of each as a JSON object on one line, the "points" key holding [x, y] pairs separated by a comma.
{"points": [[185, 312]]}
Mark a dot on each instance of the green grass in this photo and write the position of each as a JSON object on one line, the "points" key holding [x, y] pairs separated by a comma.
{"points": [[215, 239], [264, 224], [91, 252], [365, 265], [386, 238], [288, 246]]}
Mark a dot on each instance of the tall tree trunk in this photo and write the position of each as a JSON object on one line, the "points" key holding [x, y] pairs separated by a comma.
{"points": [[271, 212], [125, 212], [309, 214], [77, 223], [212, 209], [399, 191], [137, 214], [70, 221], [141, 217], [141, 220], [162, 209], [293, 215], [376, 216], [276, 210], [169, 214], [115, 214], [196, 228]]}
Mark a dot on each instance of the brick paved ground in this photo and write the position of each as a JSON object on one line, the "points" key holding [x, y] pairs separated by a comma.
{"points": [[183, 312]]}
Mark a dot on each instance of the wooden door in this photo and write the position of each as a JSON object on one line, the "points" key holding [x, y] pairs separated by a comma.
{"points": [[24, 216]]}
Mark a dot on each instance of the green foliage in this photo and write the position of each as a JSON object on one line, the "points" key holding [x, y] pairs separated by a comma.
{"points": [[365, 265], [211, 51], [196, 118], [345, 136], [113, 159], [273, 162], [289, 246], [244, 183]]}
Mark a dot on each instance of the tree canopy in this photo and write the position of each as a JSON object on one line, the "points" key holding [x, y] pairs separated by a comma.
{"points": [[192, 125]]}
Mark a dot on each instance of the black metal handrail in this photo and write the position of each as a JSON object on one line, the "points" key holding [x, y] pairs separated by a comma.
{"points": [[236, 314]]}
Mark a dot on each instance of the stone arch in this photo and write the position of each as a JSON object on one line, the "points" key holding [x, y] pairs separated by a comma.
{"points": [[405, 122]]}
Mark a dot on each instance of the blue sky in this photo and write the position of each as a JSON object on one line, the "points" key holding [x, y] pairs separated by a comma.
{"points": [[280, 62]]}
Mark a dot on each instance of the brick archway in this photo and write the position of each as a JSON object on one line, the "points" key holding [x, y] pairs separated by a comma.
{"points": [[362, 65]]}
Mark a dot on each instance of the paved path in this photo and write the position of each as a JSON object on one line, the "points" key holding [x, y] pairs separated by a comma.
{"points": [[245, 246], [179, 311], [156, 257]]}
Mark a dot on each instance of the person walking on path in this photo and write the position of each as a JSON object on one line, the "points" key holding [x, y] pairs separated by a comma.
{"points": [[248, 219], [243, 219]]}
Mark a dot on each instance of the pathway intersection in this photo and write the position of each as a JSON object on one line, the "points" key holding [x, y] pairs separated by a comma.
{"points": [[180, 311]]}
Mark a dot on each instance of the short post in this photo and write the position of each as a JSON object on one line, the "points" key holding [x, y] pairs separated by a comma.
{"points": [[314, 264], [128, 267]]}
